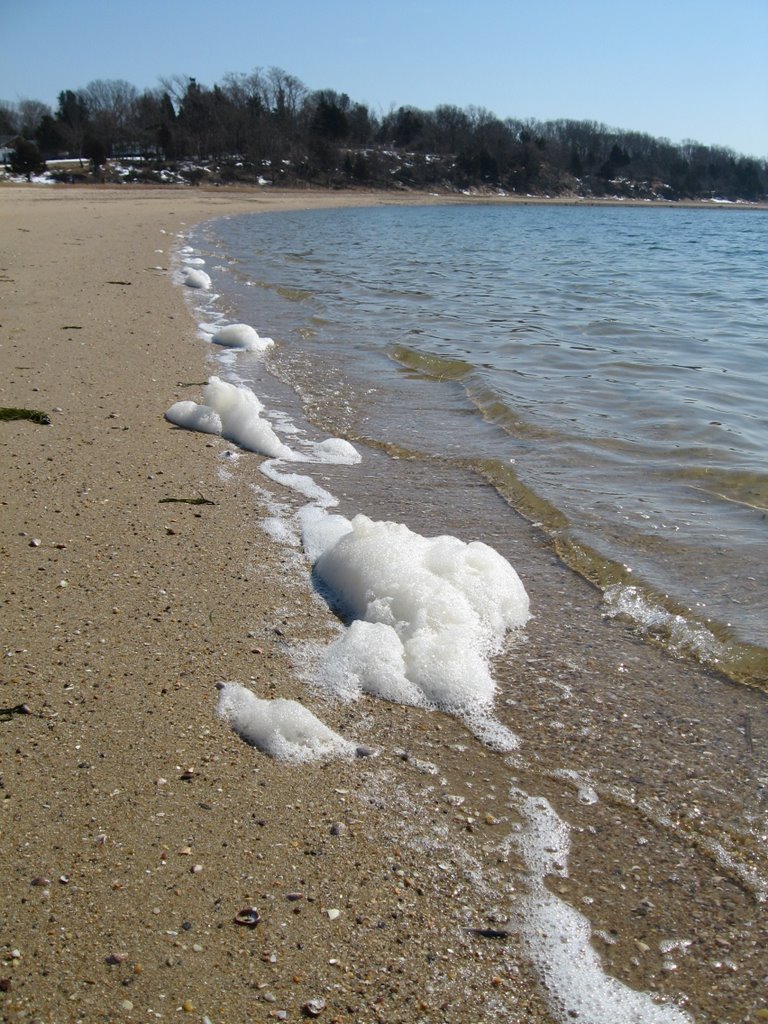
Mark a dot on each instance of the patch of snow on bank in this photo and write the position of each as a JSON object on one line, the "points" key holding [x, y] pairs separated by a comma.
{"points": [[283, 729]]}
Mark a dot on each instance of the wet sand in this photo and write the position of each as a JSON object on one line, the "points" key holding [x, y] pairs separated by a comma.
{"points": [[136, 826]]}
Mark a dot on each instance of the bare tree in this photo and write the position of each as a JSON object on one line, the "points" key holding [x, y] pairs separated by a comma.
{"points": [[30, 114], [112, 107]]}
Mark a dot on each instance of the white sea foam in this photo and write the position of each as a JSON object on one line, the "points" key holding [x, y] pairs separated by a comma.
{"points": [[192, 416], [239, 414], [320, 530], [557, 937], [234, 412], [281, 531], [241, 336], [283, 729], [428, 613], [334, 450], [300, 483], [194, 278]]}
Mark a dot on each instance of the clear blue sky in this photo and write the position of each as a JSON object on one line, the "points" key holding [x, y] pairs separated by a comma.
{"points": [[682, 69]]}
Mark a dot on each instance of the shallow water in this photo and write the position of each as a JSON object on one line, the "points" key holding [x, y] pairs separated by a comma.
{"points": [[647, 772], [605, 369]]}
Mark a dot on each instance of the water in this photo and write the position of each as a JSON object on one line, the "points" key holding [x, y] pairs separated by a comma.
{"points": [[604, 369], [580, 389]]}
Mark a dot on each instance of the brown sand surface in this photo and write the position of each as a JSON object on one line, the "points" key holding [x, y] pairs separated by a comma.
{"points": [[135, 826]]}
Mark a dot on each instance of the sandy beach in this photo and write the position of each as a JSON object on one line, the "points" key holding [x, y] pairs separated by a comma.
{"points": [[135, 826]]}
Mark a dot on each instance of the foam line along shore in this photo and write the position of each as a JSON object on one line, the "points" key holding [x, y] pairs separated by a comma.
{"points": [[137, 827]]}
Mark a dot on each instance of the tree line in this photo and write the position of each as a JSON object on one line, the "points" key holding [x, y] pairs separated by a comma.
{"points": [[267, 125]]}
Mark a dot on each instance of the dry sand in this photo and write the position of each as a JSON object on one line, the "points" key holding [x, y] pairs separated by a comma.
{"points": [[135, 826]]}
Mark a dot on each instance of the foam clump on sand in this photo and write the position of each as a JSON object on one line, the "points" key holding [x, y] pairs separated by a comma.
{"points": [[241, 336], [193, 278], [238, 412], [428, 613], [283, 729]]}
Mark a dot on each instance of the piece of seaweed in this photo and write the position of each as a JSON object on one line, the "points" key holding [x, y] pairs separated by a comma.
{"points": [[6, 714], [188, 501], [34, 415]]}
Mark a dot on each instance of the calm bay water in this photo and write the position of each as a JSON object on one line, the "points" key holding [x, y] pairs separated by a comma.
{"points": [[604, 369]]}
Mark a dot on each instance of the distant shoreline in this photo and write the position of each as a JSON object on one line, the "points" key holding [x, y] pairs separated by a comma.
{"points": [[404, 195]]}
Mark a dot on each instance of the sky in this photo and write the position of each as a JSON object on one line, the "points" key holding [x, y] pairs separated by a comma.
{"points": [[676, 69]]}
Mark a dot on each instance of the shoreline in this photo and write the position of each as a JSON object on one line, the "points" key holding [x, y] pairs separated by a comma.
{"points": [[137, 826], [371, 196]]}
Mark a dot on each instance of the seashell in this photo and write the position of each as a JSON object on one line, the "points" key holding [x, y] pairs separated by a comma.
{"points": [[314, 1007], [249, 917]]}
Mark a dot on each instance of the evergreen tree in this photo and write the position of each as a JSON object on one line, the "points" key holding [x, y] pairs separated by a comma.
{"points": [[26, 158]]}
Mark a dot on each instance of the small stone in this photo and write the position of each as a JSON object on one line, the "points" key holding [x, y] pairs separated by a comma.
{"points": [[35, 542], [126, 1005], [269, 997], [333, 914], [196, 869], [114, 958], [188, 1006], [41, 880], [338, 828], [453, 799]]}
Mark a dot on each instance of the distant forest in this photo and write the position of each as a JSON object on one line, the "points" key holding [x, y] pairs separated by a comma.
{"points": [[268, 126]]}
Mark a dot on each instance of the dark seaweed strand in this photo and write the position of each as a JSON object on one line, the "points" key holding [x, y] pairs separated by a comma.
{"points": [[34, 415]]}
